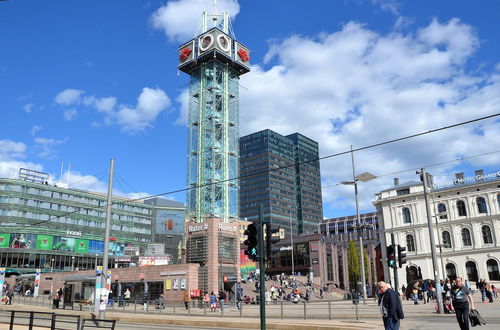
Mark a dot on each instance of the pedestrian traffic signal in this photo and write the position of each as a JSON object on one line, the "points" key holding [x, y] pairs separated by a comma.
{"points": [[401, 256], [391, 256], [251, 242], [270, 240]]}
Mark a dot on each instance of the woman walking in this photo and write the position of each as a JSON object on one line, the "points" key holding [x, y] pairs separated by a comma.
{"points": [[461, 297]]}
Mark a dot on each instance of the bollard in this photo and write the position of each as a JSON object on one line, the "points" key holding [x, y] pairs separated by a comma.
{"points": [[305, 312], [356, 307], [241, 309], [281, 309], [329, 309], [12, 318], [205, 309], [135, 306], [174, 307], [36, 301], [189, 309]]}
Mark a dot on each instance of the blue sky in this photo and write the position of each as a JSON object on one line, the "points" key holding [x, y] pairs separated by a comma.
{"points": [[85, 81]]}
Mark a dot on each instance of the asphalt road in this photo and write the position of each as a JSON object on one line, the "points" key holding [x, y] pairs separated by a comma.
{"points": [[133, 326]]}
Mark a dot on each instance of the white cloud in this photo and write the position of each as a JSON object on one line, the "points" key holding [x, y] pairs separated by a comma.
{"points": [[28, 107], [46, 147], [35, 129], [149, 105], [69, 96], [70, 114], [179, 19], [12, 155], [358, 87]]}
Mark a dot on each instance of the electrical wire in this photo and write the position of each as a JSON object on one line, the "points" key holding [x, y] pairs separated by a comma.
{"points": [[295, 164]]}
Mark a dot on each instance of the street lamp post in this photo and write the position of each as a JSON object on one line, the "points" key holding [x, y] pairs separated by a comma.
{"points": [[96, 255], [364, 177], [72, 263], [52, 273]]}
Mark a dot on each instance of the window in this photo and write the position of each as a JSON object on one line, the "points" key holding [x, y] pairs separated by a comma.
{"points": [[451, 271], [481, 205], [406, 215], [403, 192], [462, 212], [487, 237], [466, 240], [492, 266], [446, 239], [441, 211], [410, 243]]}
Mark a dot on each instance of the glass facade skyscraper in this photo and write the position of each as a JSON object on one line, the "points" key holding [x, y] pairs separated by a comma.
{"points": [[282, 173]]}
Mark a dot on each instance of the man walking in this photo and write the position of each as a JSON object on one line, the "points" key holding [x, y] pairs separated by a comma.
{"points": [[460, 298], [390, 307]]}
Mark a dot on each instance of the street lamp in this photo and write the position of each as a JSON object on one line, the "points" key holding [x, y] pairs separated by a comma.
{"points": [[72, 263], [364, 177], [52, 273]]}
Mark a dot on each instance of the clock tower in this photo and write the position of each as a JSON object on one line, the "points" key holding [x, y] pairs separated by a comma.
{"points": [[214, 60]]}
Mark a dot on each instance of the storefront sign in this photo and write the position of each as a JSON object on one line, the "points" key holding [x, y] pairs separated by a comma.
{"points": [[168, 284], [183, 284], [193, 229], [315, 261], [172, 273], [175, 284], [73, 233], [469, 179], [227, 227]]}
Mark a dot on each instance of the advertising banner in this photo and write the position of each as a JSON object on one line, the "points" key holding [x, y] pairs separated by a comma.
{"points": [[4, 240], [81, 245], [96, 247], [170, 222], [116, 249], [175, 284], [183, 283], [63, 244], [246, 265], [22, 241], [168, 284], [44, 242]]}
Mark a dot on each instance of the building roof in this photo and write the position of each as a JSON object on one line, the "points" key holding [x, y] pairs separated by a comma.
{"points": [[403, 185]]}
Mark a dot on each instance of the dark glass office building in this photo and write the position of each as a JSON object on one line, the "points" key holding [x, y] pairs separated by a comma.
{"points": [[274, 174]]}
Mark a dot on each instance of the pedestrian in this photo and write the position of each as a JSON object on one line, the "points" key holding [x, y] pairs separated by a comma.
{"points": [[482, 288], [206, 299], [494, 290], [213, 302], [222, 299], [56, 299], [390, 307], [425, 293], [460, 299], [489, 294], [127, 297], [161, 302], [186, 298], [415, 293], [10, 297], [146, 300]]}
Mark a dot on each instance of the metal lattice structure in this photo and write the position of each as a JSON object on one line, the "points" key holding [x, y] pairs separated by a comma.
{"points": [[214, 60]]}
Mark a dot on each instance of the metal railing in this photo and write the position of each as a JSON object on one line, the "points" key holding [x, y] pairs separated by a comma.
{"points": [[31, 319]]}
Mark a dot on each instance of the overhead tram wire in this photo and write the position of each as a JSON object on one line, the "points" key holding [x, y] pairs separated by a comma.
{"points": [[294, 164]]}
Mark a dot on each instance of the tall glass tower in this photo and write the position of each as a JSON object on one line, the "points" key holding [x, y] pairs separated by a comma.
{"points": [[214, 60]]}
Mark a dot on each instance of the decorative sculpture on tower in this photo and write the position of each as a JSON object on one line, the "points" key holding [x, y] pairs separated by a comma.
{"points": [[214, 60]]}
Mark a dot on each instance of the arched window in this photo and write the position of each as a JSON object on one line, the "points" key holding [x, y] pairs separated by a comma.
{"points": [[441, 211], [487, 237], [451, 271], [481, 205], [462, 211], [406, 215], [466, 240], [493, 273], [446, 239], [471, 269], [410, 243]]}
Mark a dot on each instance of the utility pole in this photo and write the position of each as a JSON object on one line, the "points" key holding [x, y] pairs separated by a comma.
{"points": [[360, 231], [439, 298], [105, 255], [262, 270]]}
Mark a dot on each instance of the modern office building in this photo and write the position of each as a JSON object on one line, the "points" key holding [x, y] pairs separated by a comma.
{"points": [[214, 60], [283, 174], [466, 227], [169, 226], [47, 227]]}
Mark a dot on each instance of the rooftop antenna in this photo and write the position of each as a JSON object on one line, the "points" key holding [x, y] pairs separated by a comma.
{"points": [[60, 175], [69, 172]]}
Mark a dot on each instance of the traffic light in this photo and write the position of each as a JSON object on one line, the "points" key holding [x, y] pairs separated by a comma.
{"points": [[270, 240], [251, 242], [401, 256], [391, 256]]}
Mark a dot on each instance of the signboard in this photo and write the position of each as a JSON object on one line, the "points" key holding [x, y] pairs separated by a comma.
{"points": [[175, 284], [22, 241], [63, 244], [195, 293], [183, 284], [4, 240], [170, 222], [81, 245], [315, 261], [314, 247], [168, 284], [37, 283], [44, 242], [33, 176]]}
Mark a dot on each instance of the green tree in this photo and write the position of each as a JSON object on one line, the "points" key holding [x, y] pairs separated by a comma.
{"points": [[353, 265]]}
